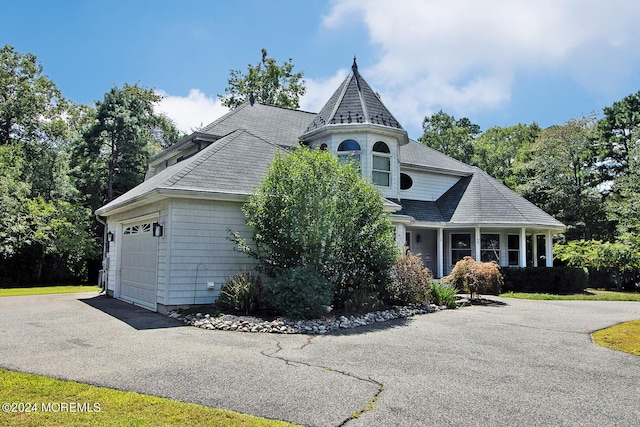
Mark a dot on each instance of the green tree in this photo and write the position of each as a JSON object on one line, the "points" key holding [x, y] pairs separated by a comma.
{"points": [[498, 151], [618, 134], [450, 136], [30, 103], [561, 178], [269, 83], [34, 114], [311, 210], [111, 157], [623, 203]]}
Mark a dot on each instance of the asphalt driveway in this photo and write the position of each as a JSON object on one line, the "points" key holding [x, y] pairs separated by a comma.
{"points": [[523, 363]]}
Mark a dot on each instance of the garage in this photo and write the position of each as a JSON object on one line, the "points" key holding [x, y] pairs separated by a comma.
{"points": [[139, 265]]}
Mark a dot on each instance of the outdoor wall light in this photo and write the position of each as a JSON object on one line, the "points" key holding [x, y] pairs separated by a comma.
{"points": [[157, 230], [110, 236], [418, 238]]}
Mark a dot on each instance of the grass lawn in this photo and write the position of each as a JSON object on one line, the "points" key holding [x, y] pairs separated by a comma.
{"points": [[623, 337], [53, 402], [13, 292], [589, 295]]}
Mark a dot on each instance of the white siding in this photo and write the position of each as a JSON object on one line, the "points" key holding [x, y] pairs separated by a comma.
{"points": [[427, 186], [200, 250]]}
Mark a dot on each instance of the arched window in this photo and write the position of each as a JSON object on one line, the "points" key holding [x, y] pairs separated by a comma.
{"points": [[349, 151], [381, 164], [405, 181], [381, 147], [349, 145]]}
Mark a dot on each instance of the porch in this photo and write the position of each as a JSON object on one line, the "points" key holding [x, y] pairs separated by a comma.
{"points": [[442, 247]]}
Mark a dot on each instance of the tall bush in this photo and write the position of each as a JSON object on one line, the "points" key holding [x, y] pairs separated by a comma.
{"points": [[310, 209], [476, 277]]}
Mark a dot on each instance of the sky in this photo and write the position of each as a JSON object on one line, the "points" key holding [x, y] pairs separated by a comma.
{"points": [[496, 62]]}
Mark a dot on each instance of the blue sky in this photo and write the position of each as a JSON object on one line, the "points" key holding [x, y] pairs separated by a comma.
{"points": [[497, 62]]}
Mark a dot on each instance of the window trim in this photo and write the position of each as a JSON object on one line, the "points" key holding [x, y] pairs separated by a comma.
{"points": [[515, 251], [453, 249], [384, 153], [495, 251]]}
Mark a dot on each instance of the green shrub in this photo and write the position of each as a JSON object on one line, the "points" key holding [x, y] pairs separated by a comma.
{"points": [[311, 209], [410, 281], [299, 293], [443, 294], [475, 277], [552, 280], [241, 293]]}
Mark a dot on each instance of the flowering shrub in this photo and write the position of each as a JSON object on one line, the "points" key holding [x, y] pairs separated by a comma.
{"points": [[475, 277], [410, 281]]}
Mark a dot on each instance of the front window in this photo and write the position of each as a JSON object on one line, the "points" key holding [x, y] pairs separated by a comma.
{"points": [[460, 247], [513, 245], [381, 164], [490, 247]]}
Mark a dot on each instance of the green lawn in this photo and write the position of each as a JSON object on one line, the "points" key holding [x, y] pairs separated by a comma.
{"points": [[589, 295], [623, 337], [13, 292], [53, 402]]}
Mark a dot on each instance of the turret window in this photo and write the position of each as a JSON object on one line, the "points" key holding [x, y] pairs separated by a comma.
{"points": [[349, 151], [381, 164]]}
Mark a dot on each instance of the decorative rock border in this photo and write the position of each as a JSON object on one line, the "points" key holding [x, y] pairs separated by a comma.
{"points": [[287, 326]]}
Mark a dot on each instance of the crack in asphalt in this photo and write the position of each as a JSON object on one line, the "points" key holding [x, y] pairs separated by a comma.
{"points": [[369, 406]]}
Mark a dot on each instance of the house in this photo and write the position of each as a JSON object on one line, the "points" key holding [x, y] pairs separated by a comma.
{"points": [[168, 243]]}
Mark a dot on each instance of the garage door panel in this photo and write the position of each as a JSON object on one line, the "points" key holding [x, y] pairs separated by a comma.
{"points": [[139, 263]]}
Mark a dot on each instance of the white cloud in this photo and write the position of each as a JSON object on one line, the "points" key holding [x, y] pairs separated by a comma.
{"points": [[319, 91], [190, 112], [466, 54]]}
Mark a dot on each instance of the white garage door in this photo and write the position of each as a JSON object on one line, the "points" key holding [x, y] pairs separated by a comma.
{"points": [[139, 264]]}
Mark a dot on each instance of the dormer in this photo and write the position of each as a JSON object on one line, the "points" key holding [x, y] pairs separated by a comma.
{"points": [[354, 124], [182, 150]]}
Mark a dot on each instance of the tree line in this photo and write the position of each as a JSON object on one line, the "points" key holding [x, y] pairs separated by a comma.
{"points": [[59, 162]]}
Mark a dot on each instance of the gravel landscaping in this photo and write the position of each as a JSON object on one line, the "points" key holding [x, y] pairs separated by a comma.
{"points": [[283, 325]]}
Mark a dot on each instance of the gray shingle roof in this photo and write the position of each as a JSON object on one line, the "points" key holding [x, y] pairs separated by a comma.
{"points": [[417, 154], [476, 200], [277, 125], [354, 102], [235, 164]]}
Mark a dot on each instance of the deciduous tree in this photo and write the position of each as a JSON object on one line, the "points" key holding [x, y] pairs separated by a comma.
{"points": [[450, 136], [268, 83]]}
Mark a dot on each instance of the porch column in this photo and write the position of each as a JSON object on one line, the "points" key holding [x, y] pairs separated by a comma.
{"points": [[523, 247], [548, 242], [440, 271], [534, 244], [401, 236], [477, 245]]}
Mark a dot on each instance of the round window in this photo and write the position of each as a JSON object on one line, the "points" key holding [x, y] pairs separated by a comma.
{"points": [[405, 181]]}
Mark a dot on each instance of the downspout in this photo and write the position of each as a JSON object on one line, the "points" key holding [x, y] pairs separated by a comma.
{"points": [[104, 272]]}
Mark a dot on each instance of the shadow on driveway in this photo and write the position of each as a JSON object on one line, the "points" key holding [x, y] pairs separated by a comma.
{"points": [[134, 316]]}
